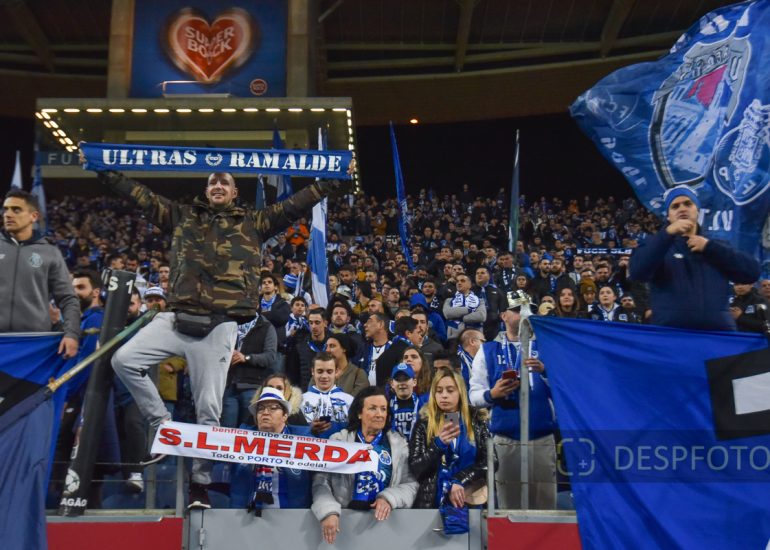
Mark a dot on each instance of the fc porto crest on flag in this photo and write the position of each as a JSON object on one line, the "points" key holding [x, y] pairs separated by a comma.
{"points": [[691, 107], [698, 116]]}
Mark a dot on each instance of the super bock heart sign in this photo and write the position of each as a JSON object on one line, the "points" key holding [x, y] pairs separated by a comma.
{"points": [[217, 46]]}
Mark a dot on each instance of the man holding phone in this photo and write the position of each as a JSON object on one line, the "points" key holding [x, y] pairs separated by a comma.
{"points": [[497, 372], [324, 405]]}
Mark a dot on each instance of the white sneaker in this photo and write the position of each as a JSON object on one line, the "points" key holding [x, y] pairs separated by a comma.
{"points": [[135, 483]]}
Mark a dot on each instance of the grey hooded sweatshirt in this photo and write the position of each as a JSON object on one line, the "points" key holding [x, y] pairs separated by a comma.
{"points": [[31, 272]]}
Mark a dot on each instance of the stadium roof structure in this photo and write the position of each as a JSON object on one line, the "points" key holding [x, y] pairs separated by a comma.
{"points": [[436, 60]]}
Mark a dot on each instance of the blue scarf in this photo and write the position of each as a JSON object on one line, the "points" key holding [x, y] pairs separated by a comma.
{"points": [[244, 329], [399, 338], [123, 156], [265, 305], [367, 485], [312, 346], [404, 415], [458, 455], [263, 489], [471, 301], [466, 362]]}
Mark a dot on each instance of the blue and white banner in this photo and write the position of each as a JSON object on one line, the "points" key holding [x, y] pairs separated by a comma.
{"points": [[404, 217], [282, 184], [697, 116], [316, 256], [666, 432], [123, 157]]}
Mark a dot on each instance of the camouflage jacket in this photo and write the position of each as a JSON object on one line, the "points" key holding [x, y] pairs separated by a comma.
{"points": [[216, 253]]}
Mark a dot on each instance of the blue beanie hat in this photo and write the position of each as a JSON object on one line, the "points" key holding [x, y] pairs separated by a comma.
{"points": [[679, 191]]}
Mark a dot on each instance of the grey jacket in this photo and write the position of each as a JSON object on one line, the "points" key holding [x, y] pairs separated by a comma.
{"points": [[333, 491], [30, 272]]}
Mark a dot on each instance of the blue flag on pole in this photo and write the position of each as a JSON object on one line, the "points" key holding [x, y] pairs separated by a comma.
{"points": [[316, 256], [666, 432], [16, 179], [29, 424], [513, 218], [404, 218], [39, 192], [282, 184], [697, 116]]}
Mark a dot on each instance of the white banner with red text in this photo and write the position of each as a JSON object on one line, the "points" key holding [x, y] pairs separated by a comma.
{"points": [[263, 448]]}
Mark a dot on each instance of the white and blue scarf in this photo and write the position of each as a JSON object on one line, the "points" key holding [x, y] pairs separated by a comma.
{"points": [[471, 301], [367, 485]]}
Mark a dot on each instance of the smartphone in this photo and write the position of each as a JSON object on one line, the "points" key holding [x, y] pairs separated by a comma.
{"points": [[510, 375], [325, 418], [453, 417]]}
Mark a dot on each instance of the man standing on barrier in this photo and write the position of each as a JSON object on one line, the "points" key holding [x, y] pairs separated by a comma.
{"points": [[214, 285], [31, 271], [690, 275]]}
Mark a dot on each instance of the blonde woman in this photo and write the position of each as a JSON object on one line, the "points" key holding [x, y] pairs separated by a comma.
{"points": [[448, 448]]}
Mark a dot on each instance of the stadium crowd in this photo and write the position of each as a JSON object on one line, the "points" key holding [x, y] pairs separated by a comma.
{"points": [[398, 347]]}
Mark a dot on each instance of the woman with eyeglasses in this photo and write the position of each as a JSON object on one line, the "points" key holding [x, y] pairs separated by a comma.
{"points": [[292, 394], [257, 487]]}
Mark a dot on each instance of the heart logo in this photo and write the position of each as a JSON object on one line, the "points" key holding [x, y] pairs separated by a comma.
{"points": [[207, 51]]}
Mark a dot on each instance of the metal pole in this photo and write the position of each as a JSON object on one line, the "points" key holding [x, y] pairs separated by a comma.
{"points": [[179, 505], [490, 476], [74, 499], [525, 333]]}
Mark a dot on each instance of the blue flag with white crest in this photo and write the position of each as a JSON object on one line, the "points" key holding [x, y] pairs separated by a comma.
{"points": [[699, 116], [404, 217]]}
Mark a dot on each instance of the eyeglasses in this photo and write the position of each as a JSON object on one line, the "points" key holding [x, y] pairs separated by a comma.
{"points": [[271, 407]]}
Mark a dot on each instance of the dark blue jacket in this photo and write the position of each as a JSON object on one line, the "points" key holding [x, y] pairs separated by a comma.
{"points": [[691, 289], [294, 486]]}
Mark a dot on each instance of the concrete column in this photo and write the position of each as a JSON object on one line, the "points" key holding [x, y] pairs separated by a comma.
{"points": [[300, 41], [121, 45]]}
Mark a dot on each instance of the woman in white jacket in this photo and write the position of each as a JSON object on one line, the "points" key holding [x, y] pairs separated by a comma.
{"points": [[391, 486]]}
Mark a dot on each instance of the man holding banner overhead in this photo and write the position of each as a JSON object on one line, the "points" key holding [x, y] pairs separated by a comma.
{"points": [[215, 262]]}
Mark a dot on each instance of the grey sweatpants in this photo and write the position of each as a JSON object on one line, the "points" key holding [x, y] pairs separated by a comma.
{"points": [[208, 360], [542, 463]]}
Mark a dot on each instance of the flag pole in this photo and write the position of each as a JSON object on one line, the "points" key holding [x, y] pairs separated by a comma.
{"points": [[513, 217]]}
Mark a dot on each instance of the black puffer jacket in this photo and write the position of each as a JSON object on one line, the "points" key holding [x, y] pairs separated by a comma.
{"points": [[425, 458]]}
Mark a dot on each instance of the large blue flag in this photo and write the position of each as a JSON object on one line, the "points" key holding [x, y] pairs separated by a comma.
{"points": [[404, 217], [666, 432], [697, 116], [29, 419]]}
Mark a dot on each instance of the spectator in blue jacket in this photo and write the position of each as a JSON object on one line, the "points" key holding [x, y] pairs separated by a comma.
{"points": [[257, 487], [690, 275]]}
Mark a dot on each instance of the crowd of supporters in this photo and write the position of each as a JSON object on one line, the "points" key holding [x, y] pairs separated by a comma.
{"points": [[390, 322]]}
